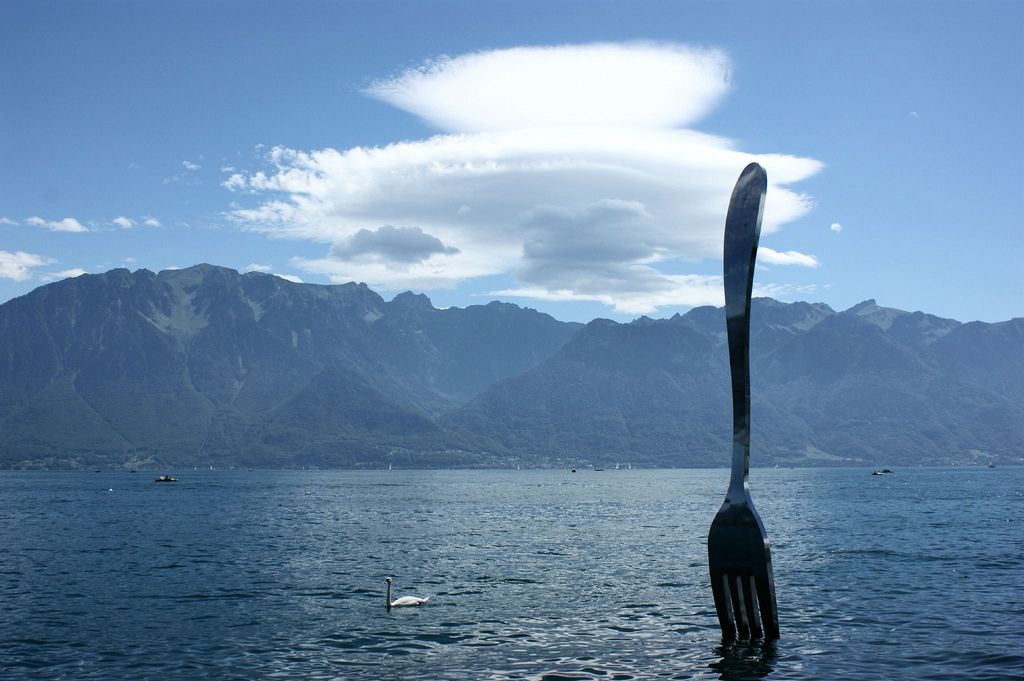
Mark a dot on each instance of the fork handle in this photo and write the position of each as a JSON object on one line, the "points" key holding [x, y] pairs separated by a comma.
{"points": [[742, 231]]}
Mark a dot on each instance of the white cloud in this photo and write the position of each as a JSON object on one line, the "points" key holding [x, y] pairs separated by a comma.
{"points": [[289, 277], [129, 259], [645, 85], [685, 289], [65, 225], [237, 182], [73, 272], [784, 291], [188, 176], [123, 222], [566, 167], [771, 257], [150, 221], [18, 265], [256, 267], [7, 221], [836, 227]]}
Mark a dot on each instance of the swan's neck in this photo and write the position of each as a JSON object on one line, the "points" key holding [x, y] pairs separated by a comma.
{"points": [[389, 594]]}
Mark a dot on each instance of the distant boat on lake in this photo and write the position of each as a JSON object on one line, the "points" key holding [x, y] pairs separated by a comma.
{"points": [[991, 464], [882, 471], [165, 478]]}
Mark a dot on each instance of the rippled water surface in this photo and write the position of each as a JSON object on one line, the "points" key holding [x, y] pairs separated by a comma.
{"points": [[531, 574]]}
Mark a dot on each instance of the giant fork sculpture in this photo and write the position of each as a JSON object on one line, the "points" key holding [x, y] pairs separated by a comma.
{"points": [[738, 549]]}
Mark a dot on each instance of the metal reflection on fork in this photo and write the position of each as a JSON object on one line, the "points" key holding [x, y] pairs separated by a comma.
{"points": [[739, 555]]}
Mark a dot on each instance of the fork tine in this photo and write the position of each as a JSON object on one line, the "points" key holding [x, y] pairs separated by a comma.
{"points": [[765, 585], [723, 604], [739, 608], [750, 599]]}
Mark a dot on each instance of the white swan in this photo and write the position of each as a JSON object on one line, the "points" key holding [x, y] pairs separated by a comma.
{"points": [[404, 601]]}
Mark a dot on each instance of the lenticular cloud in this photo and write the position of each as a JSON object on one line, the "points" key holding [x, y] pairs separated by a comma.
{"points": [[566, 167], [628, 85]]}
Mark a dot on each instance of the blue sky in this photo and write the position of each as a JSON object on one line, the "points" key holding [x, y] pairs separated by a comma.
{"points": [[574, 157]]}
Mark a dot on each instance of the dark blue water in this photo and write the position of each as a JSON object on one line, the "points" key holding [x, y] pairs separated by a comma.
{"points": [[531, 574]]}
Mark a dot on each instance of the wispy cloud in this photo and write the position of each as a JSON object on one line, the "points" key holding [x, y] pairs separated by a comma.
{"points": [[65, 225], [150, 221], [567, 167], [771, 257], [836, 227], [256, 267], [187, 176], [73, 272], [289, 277], [123, 222], [18, 265], [7, 221], [685, 289], [784, 291]]}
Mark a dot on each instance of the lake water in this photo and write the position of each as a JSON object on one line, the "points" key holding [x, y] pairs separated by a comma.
{"points": [[531, 574]]}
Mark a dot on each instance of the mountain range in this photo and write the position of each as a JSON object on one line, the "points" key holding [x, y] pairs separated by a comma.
{"points": [[207, 366]]}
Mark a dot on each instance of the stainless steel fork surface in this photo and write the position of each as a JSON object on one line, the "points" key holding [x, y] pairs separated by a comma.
{"points": [[739, 554]]}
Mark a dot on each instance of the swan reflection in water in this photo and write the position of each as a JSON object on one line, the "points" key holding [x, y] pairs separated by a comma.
{"points": [[745, 660]]}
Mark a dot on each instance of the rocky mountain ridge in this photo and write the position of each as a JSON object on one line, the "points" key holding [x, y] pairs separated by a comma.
{"points": [[209, 366]]}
